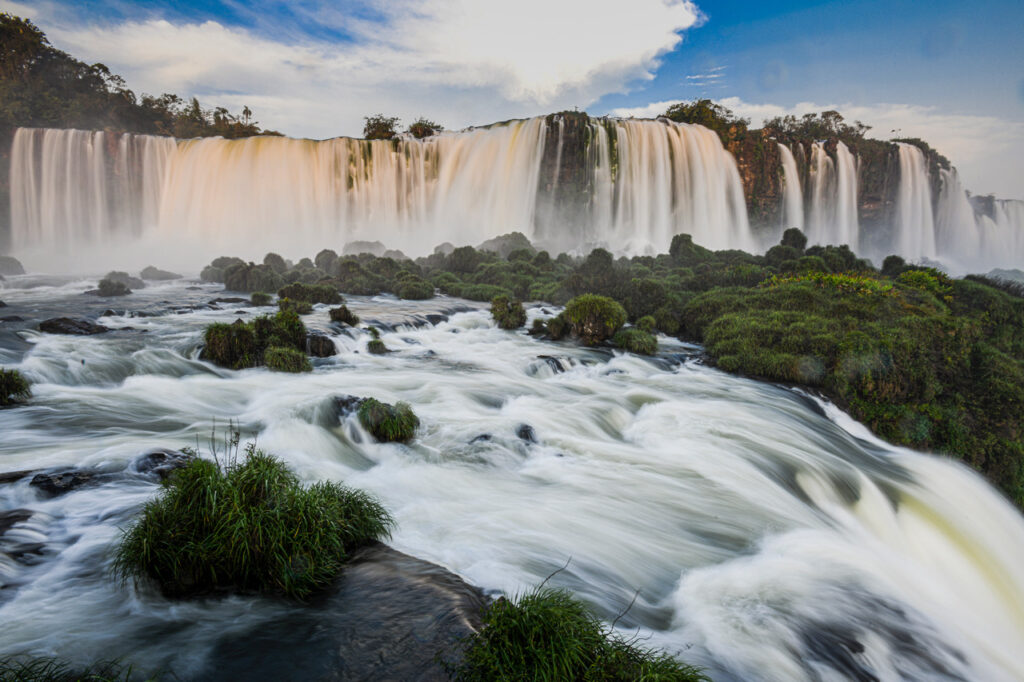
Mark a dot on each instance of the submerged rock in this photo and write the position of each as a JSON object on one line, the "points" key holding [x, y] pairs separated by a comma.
{"points": [[162, 462], [68, 325], [526, 433], [320, 346], [390, 617], [2, 304], [54, 484]]}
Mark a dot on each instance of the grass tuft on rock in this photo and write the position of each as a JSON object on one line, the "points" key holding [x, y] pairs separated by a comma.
{"points": [[14, 387], [344, 316], [547, 634], [244, 344], [286, 360], [261, 298], [388, 423], [636, 341], [248, 526], [508, 312], [45, 669]]}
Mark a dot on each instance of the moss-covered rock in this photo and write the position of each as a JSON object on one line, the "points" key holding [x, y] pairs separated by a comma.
{"points": [[286, 360], [243, 344], [14, 387], [343, 315], [298, 307], [636, 341], [261, 298], [388, 423], [508, 313], [594, 318]]}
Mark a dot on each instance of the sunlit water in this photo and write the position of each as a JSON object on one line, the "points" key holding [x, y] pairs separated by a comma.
{"points": [[765, 535]]}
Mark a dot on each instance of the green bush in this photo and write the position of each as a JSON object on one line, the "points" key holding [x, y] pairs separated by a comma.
{"points": [[483, 292], [647, 324], [546, 634], [248, 526], [242, 344], [275, 263], [636, 341], [557, 327], [508, 313], [260, 298], [311, 293], [286, 360], [414, 289], [14, 387], [388, 423], [250, 278], [297, 307], [344, 316], [594, 318]]}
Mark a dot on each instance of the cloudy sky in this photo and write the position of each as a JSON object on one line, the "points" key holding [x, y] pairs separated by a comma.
{"points": [[949, 72]]}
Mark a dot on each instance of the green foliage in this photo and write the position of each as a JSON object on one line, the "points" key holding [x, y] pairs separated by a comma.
{"points": [[594, 318], [388, 423], [483, 292], [260, 298], [794, 238], [926, 279], [414, 289], [297, 307], [636, 341], [893, 265], [311, 293], [249, 278], [380, 127], [109, 287], [710, 115], [464, 259], [423, 127], [557, 327], [647, 324], [376, 347], [286, 360], [345, 316], [246, 526], [276, 263], [546, 634], [242, 344], [827, 124], [14, 387], [507, 312], [685, 252], [42, 669]]}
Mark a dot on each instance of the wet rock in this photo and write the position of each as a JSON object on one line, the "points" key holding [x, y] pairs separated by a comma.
{"points": [[390, 617], [554, 363], [229, 299], [320, 346], [9, 518], [9, 265], [482, 438], [347, 404], [67, 325], [12, 318], [162, 462], [526, 433], [156, 274], [125, 279], [13, 476], [59, 483], [2, 304], [435, 319], [108, 313]]}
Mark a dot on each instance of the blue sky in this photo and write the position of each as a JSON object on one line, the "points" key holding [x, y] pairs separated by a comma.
{"points": [[952, 73]]}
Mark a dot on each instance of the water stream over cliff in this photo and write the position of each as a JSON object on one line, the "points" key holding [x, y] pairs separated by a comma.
{"points": [[769, 536]]}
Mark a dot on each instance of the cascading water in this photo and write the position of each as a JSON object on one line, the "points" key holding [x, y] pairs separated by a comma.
{"points": [[971, 240], [833, 214], [792, 197], [915, 226], [651, 180]]}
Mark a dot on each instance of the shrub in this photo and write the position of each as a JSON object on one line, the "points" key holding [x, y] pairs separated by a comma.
{"points": [[636, 341], [344, 316], [242, 344], [594, 318], [260, 298], [508, 313], [388, 423], [794, 238], [647, 324], [326, 260], [286, 360], [538, 328], [311, 293], [230, 526], [483, 292], [546, 634], [14, 387], [557, 327], [110, 287], [248, 277], [275, 263], [298, 307], [415, 289]]}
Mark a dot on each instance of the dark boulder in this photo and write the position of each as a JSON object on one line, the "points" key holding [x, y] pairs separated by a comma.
{"points": [[13, 476], [2, 304], [9, 265], [345, 405], [162, 462], [61, 482], [156, 274], [482, 438], [320, 346], [12, 318], [390, 617], [526, 433], [125, 279], [67, 325]]}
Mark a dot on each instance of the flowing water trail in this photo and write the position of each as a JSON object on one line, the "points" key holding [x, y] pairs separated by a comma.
{"points": [[766, 535]]}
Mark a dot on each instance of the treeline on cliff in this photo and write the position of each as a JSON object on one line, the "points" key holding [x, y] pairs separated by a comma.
{"points": [[41, 86]]}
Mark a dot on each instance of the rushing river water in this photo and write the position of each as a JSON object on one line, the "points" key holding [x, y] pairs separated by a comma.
{"points": [[767, 536]]}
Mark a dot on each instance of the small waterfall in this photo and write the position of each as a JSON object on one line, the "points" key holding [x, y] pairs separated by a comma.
{"points": [[833, 218], [792, 197], [915, 227], [973, 241], [847, 227]]}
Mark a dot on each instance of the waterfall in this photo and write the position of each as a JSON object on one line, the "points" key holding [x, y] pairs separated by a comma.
{"points": [[970, 240], [649, 180], [915, 227], [833, 218], [792, 197]]}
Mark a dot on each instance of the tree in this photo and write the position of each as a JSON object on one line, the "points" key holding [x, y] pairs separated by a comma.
{"points": [[380, 127], [710, 115], [424, 127]]}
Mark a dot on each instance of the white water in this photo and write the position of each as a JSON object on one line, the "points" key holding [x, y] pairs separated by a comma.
{"points": [[833, 214], [767, 541], [298, 196], [792, 196], [915, 227], [970, 241]]}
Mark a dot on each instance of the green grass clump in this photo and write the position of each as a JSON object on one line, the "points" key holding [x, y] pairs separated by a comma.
{"points": [[388, 423], [546, 634], [594, 318], [14, 387], [507, 312], [243, 344], [311, 293], [557, 327], [286, 360], [414, 289], [248, 526], [261, 298], [345, 316], [295, 306], [45, 669], [636, 341], [647, 323]]}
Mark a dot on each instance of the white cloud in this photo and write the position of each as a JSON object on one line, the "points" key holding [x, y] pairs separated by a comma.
{"points": [[985, 149], [459, 62]]}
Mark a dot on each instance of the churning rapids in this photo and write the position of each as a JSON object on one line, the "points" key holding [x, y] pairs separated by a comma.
{"points": [[769, 536]]}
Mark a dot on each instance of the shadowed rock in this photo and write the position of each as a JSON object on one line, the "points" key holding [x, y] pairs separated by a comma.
{"points": [[67, 325]]}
